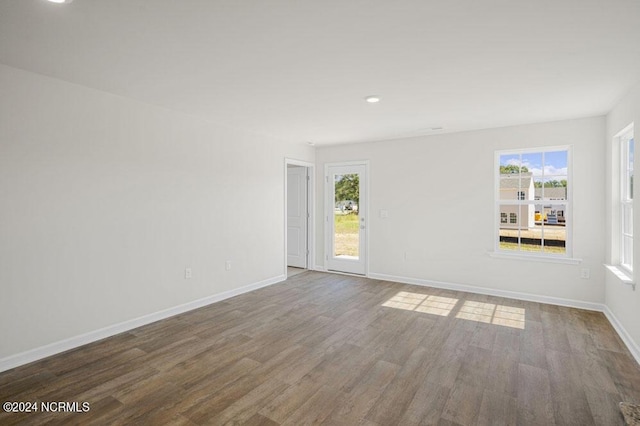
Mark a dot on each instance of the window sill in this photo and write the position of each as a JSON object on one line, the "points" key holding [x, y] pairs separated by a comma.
{"points": [[534, 258], [622, 274]]}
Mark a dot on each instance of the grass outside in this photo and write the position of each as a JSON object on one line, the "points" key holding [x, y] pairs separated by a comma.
{"points": [[531, 248], [347, 233]]}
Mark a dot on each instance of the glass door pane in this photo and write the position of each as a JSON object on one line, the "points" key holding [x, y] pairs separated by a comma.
{"points": [[346, 238], [346, 209]]}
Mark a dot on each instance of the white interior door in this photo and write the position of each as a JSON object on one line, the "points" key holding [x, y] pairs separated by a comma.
{"points": [[346, 218], [297, 216]]}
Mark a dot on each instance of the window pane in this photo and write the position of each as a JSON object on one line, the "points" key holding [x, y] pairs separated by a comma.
{"points": [[509, 233], [510, 164], [538, 188], [555, 175], [554, 214], [555, 164], [628, 148], [345, 216], [509, 187], [518, 232], [532, 163], [627, 219], [627, 145], [555, 239], [627, 251], [537, 214], [531, 239], [515, 177], [554, 189]]}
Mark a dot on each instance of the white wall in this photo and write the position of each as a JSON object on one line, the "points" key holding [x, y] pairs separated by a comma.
{"points": [[439, 193], [622, 301], [105, 201]]}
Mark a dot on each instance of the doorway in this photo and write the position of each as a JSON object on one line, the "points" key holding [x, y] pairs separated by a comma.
{"points": [[298, 216], [346, 217]]}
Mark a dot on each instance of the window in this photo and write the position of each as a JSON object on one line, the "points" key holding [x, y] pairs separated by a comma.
{"points": [[533, 191], [626, 198]]}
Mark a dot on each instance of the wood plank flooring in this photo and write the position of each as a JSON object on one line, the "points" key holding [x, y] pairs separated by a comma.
{"points": [[339, 350]]}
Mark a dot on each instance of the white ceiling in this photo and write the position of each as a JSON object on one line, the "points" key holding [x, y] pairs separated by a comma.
{"points": [[300, 69]]}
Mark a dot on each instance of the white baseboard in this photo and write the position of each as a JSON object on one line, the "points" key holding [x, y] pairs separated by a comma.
{"points": [[622, 332], [319, 268], [492, 292], [26, 357]]}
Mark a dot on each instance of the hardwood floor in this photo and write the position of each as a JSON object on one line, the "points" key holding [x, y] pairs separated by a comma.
{"points": [[292, 271], [339, 350]]}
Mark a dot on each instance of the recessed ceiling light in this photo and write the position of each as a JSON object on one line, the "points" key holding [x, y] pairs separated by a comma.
{"points": [[437, 128], [372, 99], [60, 1], [311, 143]]}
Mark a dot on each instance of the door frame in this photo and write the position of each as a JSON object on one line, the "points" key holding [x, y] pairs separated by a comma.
{"points": [[311, 224], [328, 213]]}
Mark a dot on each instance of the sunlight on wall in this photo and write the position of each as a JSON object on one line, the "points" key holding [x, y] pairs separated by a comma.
{"points": [[489, 313]]}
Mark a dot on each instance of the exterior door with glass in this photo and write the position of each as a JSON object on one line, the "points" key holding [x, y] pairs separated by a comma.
{"points": [[346, 221]]}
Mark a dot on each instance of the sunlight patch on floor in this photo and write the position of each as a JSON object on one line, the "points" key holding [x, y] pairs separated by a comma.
{"points": [[425, 303], [488, 313]]}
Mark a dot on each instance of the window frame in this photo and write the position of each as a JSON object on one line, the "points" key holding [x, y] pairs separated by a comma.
{"points": [[625, 203], [567, 256]]}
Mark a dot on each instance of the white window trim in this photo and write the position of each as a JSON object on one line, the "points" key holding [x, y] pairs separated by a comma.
{"points": [[622, 275], [534, 257], [538, 257], [622, 139]]}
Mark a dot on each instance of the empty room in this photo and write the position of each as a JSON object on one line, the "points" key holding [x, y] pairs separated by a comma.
{"points": [[301, 212]]}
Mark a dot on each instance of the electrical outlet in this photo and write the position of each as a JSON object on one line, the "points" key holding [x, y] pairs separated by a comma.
{"points": [[585, 273], [187, 273], [227, 265]]}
